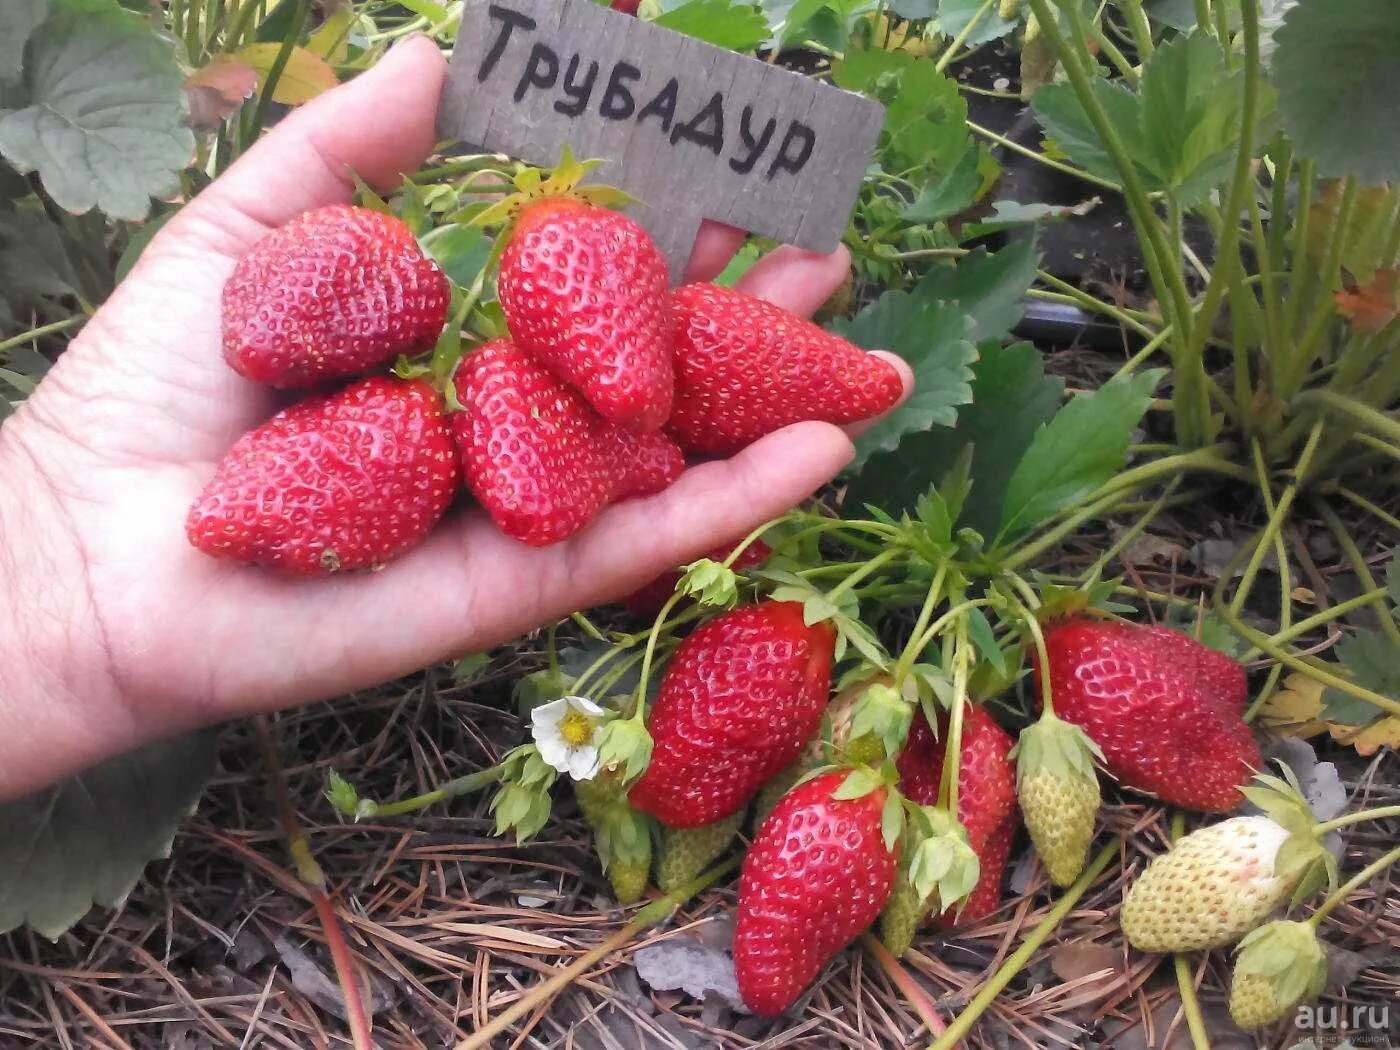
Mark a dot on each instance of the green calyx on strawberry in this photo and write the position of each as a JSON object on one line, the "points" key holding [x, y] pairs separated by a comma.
{"points": [[938, 870], [621, 835], [1166, 711], [987, 806], [818, 873], [745, 368], [739, 700], [585, 292], [1279, 966], [1058, 790], [706, 580], [338, 482], [334, 293], [538, 457]]}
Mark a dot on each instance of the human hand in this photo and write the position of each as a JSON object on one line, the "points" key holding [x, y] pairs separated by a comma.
{"points": [[117, 631]]}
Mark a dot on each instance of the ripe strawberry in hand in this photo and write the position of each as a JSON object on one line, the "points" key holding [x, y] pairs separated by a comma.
{"points": [[741, 697], [339, 482], [333, 293], [817, 874], [648, 599], [584, 290], [537, 457], [986, 796], [745, 368], [1166, 713]]}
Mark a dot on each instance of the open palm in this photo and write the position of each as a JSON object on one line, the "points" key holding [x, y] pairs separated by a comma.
{"points": [[119, 631]]}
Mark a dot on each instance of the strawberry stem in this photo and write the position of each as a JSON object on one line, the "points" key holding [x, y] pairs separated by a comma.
{"points": [[953, 752], [1353, 884], [1016, 962], [913, 992], [1380, 813], [483, 778], [911, 651], [639, 706]]}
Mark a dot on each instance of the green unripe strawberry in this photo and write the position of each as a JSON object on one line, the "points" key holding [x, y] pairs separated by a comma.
{"points": [[686, 852], [1059, 793], [621, 835], [1279, 966], [901, 918]]}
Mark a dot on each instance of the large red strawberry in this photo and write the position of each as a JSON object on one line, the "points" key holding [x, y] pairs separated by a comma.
{"points": [[1164, 710], [817, 874], [537, 456], [331, 294], [648, 599], [584, 290], [745, 368], [986, 796], [336, 482], [1221, 678], [741, 697]]}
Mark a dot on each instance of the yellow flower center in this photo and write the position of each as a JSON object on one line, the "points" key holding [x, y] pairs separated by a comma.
{"points": [[576, 728]]}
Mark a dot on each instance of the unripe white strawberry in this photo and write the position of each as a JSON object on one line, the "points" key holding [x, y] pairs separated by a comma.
{"points": [[1209, 890], [1059, 793]]}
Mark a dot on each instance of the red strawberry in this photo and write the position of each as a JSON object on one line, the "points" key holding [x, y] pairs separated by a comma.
{"points": [[331, 294], [1221, 677], [627, 7], [817, 874], [745, 368], [1168, 725], [584, 290], [648, 599], [740, 699], [337, 482], [539, 459], [986, 795]]}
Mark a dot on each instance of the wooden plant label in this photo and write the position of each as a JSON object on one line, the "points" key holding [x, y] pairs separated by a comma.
{"points": [[693, 131]]}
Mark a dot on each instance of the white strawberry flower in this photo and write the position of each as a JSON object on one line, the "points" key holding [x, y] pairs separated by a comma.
{"points": [[566, 735]]}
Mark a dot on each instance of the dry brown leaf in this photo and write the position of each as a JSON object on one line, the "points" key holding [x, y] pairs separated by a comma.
{"points": [[1295, 708], [305, 76], [216, 90], [1384, 732], [1373, 305]]}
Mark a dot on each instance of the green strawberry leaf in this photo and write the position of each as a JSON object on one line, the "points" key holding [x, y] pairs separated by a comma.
{"points": [[1076, 452], [1334, 70], [949, 195], [990, 287], [731, 24], [925, 128], [18, 20], [955, 15], [85, 841], [932, 337], [105, 123], [1371, 660]]}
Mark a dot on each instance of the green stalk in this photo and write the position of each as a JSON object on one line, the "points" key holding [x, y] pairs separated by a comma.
{"points": [[1139, 26], [1328, 615], [1132, 532], [482, 778], [1348, 819], [1302, 221], [1185, 980], [1363, 415], [52, 328], [1049, 162], [274, 73], [1313, 669], [1358, 564], [1225, 271], [1164, 269], [1324, 309], [1278, 208], [1371, 508], [1017, 960], [910, 653], [1353, 884], [951, 767], [962, 36], [1275, 522]]}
